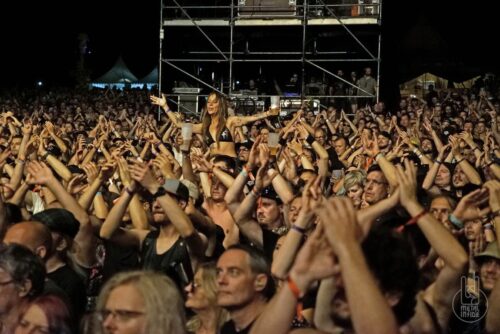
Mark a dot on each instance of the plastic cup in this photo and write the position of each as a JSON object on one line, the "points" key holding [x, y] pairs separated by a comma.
{"points": [[187, 135], [275, 102], [187, 131], [273, 142]]}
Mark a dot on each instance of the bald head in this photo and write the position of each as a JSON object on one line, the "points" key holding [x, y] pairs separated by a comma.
{"points": [[33, 235]]}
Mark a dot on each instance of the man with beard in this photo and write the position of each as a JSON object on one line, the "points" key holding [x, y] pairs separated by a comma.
{"points": [[171, 247], [384, 142]]}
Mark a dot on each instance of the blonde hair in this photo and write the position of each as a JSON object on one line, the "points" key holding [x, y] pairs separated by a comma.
{"points": [[209, 285], [164, 309]]}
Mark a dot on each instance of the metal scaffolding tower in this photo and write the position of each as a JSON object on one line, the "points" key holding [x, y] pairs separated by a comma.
{"points": [[212, 43]]}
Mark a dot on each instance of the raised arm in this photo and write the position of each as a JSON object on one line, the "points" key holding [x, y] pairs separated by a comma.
{"points": [[141, 173], [440, 239], [370, 312]]}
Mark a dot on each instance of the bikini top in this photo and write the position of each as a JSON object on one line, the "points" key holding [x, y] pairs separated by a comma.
{"points": [[225, 136]]}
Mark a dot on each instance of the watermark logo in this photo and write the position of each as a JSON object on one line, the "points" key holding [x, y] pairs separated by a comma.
{"points": [[470, 304]]}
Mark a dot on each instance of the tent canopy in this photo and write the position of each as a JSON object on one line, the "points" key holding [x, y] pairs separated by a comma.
{"points": [[151, 78], [119, 73], [420, 84]]}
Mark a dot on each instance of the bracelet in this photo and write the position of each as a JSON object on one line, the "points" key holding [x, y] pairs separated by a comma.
{"points": [[378, 156], [412, 221], [98, 193], [310, 139], [459, 161], [129, 191], [455, 221], [158, 144], [20, 161], [46, 155], [494, 214], [438, 162], [244, 172], [299, 229], [255, 193], [297, 294]]}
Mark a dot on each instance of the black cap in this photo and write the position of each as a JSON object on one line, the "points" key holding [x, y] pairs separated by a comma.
{"points": [[269, 192], [59, 220], [176, 188]]}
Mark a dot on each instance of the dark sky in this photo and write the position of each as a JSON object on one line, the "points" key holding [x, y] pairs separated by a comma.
{"points": [[40, 38]]}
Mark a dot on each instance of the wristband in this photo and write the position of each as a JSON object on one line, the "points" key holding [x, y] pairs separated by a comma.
{"points": [[438, 162], [412, 221], [129, 191], [299, 229], [378, 156], [310, 139], [45, 156], [158, 144], [459, 161], [455, 221], [297, 294]]}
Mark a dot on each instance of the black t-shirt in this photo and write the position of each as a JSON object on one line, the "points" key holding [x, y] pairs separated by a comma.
{"points": [[269, 240], [230, 328], [74, 287]]}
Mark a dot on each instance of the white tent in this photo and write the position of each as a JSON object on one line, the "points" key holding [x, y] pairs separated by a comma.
{"points": [[149, 80], [117, 77], [420, 85]]}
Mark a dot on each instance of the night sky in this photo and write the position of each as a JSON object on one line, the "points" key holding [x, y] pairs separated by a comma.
{"points": [[40, 39]]}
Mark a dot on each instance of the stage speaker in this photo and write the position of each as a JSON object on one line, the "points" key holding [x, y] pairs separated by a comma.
{"points": [[187, 104], [266, 8]]}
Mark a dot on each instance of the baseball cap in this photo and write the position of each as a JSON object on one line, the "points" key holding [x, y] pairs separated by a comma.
{"points": [[269, 192], [176, 188], [194, 192], [59, 220], [490, 251]]}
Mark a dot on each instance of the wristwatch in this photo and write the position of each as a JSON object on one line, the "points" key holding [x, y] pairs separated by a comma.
{"points": [[160, 192]]}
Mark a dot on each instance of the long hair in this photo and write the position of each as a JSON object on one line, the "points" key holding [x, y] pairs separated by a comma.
{"points": [[206, 119], [56, 311], [164, 309], [209, 285]]}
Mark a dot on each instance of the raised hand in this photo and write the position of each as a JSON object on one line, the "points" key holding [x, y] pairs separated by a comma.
{"points": [[140, 172], [263, 179], [76, 184], [159, 101], [342, 230], [40, 173], [254, 153], [469, 207], [315, 260], [163, 164], [91, 172], [407, 181]]}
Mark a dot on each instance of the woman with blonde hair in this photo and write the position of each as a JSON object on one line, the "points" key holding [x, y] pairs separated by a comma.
{"points": [[353, 187], [139, 302], [217, 127], [202, 300]]}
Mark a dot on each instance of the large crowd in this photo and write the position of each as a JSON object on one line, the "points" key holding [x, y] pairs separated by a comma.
{"points": [[119, 215]]}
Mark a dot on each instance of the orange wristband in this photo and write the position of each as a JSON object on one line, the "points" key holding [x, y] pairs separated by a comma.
{"points": [[298, 295]]}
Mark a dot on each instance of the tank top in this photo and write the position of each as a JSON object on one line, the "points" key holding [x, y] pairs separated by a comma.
{"points": [[175, 262]]}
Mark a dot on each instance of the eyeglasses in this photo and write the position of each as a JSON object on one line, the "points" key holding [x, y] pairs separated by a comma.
{"points": [[119, 315]]}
